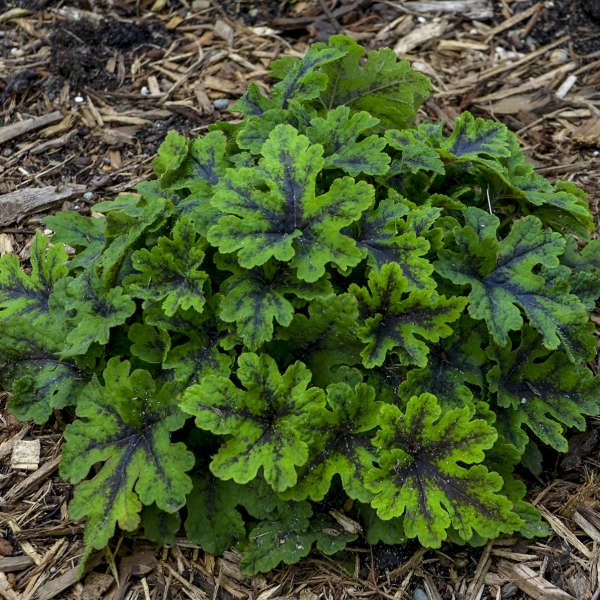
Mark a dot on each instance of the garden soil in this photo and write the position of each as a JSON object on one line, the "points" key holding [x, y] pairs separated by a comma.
{"points": [[89, 89]]}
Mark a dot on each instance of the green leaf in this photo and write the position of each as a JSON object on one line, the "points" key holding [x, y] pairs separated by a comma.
{"points": [[473, 138], [213, 521], [339, 134], [416, 154], [253, 103], [383, 238], [124, 425], [159, 526], [273, 211], [377, 530], [394, 318], [584, 276], [96, 308], [31, 368], [542, 390], [170, 272], [197, 357], [171, 154], [264, 420], [343, 446], [503, 281], [290, 537], [452, 368], [427, 475], [128, 218], [385, 88], [83, 233], [254, 298], [327, 337], [150, 344], [27, 296], [300, 79]]}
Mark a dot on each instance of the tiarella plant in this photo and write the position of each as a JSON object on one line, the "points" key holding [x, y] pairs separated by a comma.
{"points": [[320, 314]]}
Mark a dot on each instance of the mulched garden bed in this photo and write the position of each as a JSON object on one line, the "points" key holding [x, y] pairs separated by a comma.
{"points": [[88, 90]]}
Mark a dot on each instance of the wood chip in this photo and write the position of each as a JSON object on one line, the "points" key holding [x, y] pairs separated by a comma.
{"points": [[419, 35], [586, 526], [7, 445], [460, 45], [224, 31], [588, 132], [14, 206], [6, 590], [26, 455], [473, 9], [508, 23], [9, 132], [563, 532], [6, 245], [8, 564], [221, 85], [60, 584], [529, 582], [23, 487]]}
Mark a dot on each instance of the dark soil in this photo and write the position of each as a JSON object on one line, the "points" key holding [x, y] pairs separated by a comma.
{"points": [[579, 18], [80, 50]]}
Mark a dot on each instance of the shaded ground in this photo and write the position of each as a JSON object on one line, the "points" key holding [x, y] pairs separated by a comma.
{"points": [[117, 76]]}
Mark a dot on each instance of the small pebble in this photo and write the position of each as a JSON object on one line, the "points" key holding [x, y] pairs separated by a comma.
{"points": [[422, 19], [221, 103], [52, 569], [7, 152], [88, 196], [596, 153], [419, 594], [78, 99], [144, 91], [16, 52], [473, 31], [105, 160]]}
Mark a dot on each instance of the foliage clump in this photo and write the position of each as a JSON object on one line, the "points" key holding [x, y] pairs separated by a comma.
{"points": [[319, 309]]}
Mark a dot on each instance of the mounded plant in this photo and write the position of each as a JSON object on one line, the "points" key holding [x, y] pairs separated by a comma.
{"points": [[318, 316]]}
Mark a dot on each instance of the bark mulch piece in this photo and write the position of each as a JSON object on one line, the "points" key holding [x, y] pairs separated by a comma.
{"points": [[89, 89]]}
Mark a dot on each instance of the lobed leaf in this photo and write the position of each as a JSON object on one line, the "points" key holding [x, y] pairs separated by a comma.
{"points": [[274, 212], [27, 296], [385, 88], [427, 473], [125, 425], [503, 280], [542, 391], [264, 420], [170, 272], [394, 318]]}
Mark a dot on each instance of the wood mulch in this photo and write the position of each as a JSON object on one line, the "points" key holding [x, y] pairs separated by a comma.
{"points": [[88, 90]]}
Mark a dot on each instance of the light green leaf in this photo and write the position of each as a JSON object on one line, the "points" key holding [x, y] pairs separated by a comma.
{"points": [[23, 295], [427, 473], [342, 446], [394, 318], [125, 425], [273, 212], [264, 420], [543, 390], [385, 88], [503, 281], [339, 134], [170, 272]]}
